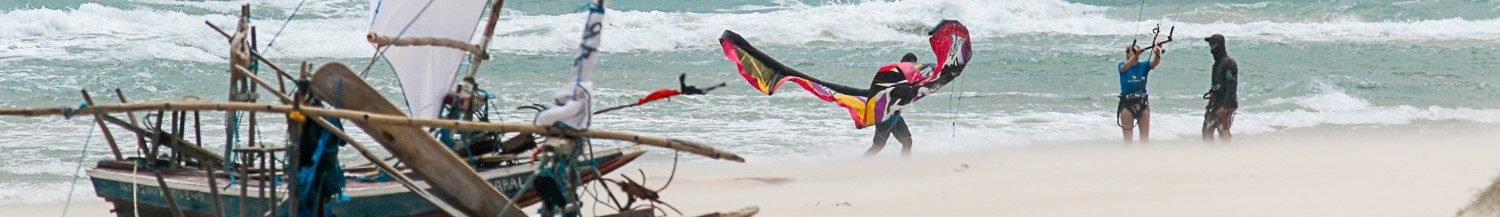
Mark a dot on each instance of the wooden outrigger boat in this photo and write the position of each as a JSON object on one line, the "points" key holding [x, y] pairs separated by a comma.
{"points": [[128, 189], [173, 176]]}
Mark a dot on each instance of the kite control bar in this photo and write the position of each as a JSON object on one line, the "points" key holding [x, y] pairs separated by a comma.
{"points": [[1157, 32]]}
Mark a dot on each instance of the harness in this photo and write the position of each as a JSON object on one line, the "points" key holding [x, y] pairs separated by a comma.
{"points": [[1214, 101], [1136, 103], [1211, 118]]}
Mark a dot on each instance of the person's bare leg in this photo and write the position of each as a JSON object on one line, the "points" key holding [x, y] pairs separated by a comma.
{"points": [[1145, 124], [1210, 123], [1225, 121], [1127, 125]]}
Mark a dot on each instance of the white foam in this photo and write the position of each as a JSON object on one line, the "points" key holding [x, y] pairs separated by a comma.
{"points": [[108, 33], [94, 32], [905, 22], [1327, 98]]}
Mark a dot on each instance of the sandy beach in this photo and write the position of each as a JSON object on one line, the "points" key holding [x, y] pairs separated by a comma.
{"points": [[1378, 171], [81, 206], [1412, 170]]}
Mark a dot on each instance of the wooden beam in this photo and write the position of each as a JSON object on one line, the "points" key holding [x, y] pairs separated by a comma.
{"points": [[253, 53], [139, 140], [459, 184], [192, 150], [696, 148], [382, 41], [108, 137]]}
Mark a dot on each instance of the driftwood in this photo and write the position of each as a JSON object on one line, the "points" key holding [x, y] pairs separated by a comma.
{"points": [[700, 149]]}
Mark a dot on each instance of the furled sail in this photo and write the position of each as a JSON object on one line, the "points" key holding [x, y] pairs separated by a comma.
{"points": [[572, 104], [426, 73]]}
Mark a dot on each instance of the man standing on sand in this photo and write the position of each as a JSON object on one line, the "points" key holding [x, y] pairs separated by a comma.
{"points": [[894, 87], [1222, 99], [1134, 108]]}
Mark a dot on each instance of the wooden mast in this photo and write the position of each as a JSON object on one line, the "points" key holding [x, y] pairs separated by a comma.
{"points": [[489, 32]]}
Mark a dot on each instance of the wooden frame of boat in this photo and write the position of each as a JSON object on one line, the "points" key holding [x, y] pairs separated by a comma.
{"points": [[186, 179]]}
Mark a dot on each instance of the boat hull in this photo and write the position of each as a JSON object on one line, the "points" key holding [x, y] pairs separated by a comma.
{"points": [[193, 196]]}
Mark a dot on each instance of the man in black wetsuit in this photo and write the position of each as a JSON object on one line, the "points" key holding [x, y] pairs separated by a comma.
{"points": [[895, 125], [1222, 99]]}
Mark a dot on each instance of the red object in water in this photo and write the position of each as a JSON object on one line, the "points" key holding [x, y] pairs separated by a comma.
{"points": [[657, 95]]}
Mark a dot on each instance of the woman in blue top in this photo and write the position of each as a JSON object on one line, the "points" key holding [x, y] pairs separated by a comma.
{"points": [[1134, 108]]}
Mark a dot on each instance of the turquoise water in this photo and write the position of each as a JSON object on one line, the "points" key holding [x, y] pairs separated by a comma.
{"points": [[1042, 70]]}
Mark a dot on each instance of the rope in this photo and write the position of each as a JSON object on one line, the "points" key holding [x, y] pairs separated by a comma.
{"points": [[81, 155], [234, 126], [284, 24], [953, 108], [135, 196], [1138, 15]]}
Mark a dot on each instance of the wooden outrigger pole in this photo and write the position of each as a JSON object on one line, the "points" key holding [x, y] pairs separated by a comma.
{"points": [[696, 148]]}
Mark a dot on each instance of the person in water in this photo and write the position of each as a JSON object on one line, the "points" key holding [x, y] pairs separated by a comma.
{"points": [[1218, 116], [1135, 106]]}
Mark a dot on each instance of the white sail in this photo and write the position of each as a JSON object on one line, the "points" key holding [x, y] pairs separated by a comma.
{"points": [[573, 105], [426, 73]]}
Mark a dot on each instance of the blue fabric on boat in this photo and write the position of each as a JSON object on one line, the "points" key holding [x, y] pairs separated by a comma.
{"points": [[321, 176]]}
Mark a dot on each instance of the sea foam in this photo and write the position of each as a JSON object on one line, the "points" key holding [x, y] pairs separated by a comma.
{"points": [[92, 30]]}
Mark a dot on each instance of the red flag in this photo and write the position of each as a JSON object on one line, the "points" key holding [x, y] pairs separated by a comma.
{"points": [[657, 95]]}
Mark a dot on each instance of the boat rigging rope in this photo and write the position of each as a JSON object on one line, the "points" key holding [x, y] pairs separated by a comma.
{"points": [[81, 155], [284, 24]]}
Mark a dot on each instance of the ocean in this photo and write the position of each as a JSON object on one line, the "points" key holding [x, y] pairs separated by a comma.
{"points": [[1042, 70]]}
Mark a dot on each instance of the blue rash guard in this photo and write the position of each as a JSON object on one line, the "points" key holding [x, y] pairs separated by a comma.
{"points": [[1133, 80]]}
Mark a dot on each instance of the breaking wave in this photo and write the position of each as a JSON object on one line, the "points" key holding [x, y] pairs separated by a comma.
{"points": [[98, 32]]}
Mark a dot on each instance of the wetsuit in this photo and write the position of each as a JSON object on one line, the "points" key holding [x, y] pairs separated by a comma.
{"points": [[901, 91], [1133, 95], [1222, 94]]}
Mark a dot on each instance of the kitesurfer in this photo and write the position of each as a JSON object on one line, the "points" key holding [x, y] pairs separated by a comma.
{"points": [[1222, 99], [894, 125], [1135, 106], [894, 87]]}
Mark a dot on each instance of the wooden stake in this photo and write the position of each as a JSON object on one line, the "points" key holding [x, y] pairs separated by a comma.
{"points": [[253, 53], [213, 189], [140, 141], [108, 137]]}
